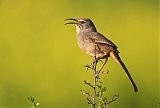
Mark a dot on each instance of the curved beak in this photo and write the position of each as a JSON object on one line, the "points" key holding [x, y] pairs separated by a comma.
{"points": [[72, 19]]}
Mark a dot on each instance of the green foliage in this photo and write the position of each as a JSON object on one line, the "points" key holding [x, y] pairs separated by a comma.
{"points": [[100, 95], [33, 102]]}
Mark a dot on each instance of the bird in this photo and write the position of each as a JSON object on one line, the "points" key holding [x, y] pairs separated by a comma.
{"points": [[95, 44]]}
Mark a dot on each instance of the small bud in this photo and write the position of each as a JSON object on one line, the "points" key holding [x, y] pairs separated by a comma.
{"points": [[37, 104]]}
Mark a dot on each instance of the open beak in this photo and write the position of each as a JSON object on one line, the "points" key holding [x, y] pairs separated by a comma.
{"points": [[72, 19]]}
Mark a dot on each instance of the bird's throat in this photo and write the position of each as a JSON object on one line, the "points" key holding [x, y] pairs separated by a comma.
{"points": [[78, 28]]}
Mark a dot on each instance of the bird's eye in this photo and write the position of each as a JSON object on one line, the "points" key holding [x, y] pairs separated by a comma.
{"points": [[82, 22]]}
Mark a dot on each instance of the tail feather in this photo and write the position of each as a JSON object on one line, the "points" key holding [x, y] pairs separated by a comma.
{"points": [[116, 57]]}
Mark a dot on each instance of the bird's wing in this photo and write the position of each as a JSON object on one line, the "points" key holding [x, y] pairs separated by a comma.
{"points": [[100, 39]]}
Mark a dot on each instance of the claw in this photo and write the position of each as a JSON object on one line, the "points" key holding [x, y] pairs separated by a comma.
{"points": [[91, 65]]}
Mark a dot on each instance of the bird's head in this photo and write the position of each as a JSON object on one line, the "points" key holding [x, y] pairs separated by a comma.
{"points": [[82, 24]]}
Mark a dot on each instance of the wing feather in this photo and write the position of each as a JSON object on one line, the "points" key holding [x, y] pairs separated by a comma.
{"points": [[100, 39]]}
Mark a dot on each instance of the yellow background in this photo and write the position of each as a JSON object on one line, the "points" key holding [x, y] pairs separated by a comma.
{"points": [[39, 56]]}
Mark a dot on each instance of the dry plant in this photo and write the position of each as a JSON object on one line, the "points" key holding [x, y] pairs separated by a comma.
{"points": [[97, 99]]}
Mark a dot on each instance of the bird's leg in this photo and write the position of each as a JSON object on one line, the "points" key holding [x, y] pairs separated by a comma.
{"points": [[99, 70], [105, 57], [95, 60], [92, 63]]}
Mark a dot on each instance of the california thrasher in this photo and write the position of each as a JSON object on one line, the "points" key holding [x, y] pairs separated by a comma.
{"points": [[95, 44]]}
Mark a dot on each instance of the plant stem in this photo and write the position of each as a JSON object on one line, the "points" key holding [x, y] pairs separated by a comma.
{"points": [[95, 81]]}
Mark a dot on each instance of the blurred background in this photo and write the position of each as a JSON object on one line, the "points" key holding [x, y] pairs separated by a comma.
{"points": [[39, 56]]}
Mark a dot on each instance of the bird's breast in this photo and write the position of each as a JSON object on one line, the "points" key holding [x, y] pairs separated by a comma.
{"points": [[88, 45]]}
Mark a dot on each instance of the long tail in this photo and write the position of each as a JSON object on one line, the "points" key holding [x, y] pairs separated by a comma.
{"points": [[116, 57]]}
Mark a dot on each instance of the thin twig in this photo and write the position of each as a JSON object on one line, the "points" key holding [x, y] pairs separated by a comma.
{"points": [[87, 67], [86, 94], [114, 98], [104, 73], [95, 79], [88, 97], [88, 84]]}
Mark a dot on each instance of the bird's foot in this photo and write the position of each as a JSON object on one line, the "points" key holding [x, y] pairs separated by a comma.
{"points": [[91, 65]]}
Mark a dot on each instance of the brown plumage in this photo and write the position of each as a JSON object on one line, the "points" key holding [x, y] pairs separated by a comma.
{"points": [[93, 42]]}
